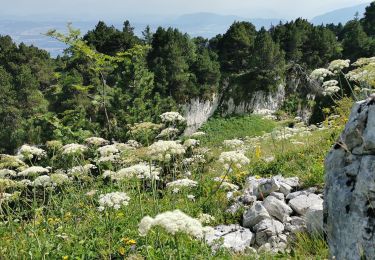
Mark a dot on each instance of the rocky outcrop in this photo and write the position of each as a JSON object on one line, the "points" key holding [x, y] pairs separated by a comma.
{"points": [[198, 111], [260, 102], [275, 212], [349, 206]]}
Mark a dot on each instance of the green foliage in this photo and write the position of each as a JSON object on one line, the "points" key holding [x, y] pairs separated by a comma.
{"points": [[220, 129]]}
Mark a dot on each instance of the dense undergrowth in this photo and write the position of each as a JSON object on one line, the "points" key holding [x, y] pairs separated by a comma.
{"points": [[65, 222]]}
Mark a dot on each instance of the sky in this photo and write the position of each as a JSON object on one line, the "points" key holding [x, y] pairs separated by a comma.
{"points": [[159, 9]]}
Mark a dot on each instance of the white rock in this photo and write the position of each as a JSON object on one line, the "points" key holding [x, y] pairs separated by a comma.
{"points": [[302, 203], [255, 214], [266, 229], [278, 195], [268, 186], [277, 208], [314, 219], [234, 237]]}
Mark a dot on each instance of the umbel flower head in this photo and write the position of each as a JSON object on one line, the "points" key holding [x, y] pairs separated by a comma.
{"points": [[320, 74], [140, 171], [113, 200], [330, 87], [233, 158], [165, 150], [31, 152], [172, 117], [33, 170], [182, 183], [174, 222], [338, 65], [73, 149], [96, 141]]}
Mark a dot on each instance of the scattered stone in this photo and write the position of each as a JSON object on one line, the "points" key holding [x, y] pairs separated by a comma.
{"points": [[277, 208], [266, 229], [268, 186], [278, 195], [314, 219], [234, 237], [255, 214], [302, 203], [285, 189]]}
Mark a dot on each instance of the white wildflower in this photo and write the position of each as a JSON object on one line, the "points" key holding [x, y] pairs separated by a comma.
{"points": [[107, 150], [176, 190], [96, 141], [133, 143], [43, 181], [191, 197], [182, 183], [169, 133], [59, 178], [338, 65], [174, 222], [191, 143], [6, 173], [140, 171], [165, 150], [172, 117], [81, 170], [205, 218], [73, 149], [364, 61], [113, 200], [197, 134], [33, 170], [233, 143], [320, 74], [31, 152], [233, 158]]}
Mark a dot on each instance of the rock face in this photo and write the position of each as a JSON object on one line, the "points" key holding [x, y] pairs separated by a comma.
{"points": [[349, 205], [234, 237]]}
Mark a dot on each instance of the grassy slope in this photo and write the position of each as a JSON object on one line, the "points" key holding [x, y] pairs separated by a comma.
{"points": [[68, 225]]}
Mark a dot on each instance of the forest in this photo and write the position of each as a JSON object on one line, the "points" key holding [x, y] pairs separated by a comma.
{"points": [[109, 79]]}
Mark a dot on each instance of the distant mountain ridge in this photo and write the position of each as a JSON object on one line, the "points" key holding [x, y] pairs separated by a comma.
{"points": [[196, 24], [342, 15]]}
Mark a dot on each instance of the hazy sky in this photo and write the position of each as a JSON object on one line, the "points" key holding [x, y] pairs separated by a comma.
{"points": [[114, 9]]}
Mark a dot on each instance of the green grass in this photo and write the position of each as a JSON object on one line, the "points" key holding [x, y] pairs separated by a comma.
{"points": [[219, 129]]}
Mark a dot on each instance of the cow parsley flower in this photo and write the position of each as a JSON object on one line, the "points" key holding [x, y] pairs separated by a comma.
{"points": [[338, 65], [172, 117], [169, 133], [59, 178], [33, 170], [191, 143], [113, 200], [174, 222], [96, 141], [6, 173], [108, 150], [197, 134], [43, 181], [81, 170], [205, 218], [73, 149], [31, 152], [140, 171], [165, 150], [182, 183], [233, 158], [233, 143], [320, 74]]}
